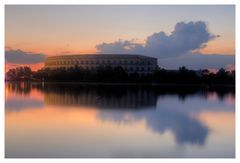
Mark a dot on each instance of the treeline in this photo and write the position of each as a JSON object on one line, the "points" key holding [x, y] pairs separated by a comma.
{"points": [[119, 75]]}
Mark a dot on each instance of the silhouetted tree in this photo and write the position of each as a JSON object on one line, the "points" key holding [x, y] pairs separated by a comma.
{"points": [[119, 75]]}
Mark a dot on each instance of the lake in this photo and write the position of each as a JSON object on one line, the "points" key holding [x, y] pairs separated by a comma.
{"points": [[54, 120]]}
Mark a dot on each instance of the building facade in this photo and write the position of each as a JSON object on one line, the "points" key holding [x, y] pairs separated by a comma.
{"points": [[130, 63]]}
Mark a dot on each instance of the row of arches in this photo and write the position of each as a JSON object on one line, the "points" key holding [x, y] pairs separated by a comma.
{"points": [[99, 62]]}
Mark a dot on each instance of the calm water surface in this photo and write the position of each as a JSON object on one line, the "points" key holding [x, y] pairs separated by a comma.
{"points": [[75, 120]]}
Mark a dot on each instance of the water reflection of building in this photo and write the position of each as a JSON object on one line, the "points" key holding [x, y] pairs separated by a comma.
{"points": [[126, 99]]}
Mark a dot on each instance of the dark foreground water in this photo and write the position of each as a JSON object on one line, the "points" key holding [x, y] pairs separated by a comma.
{"points": [[75, 120]]}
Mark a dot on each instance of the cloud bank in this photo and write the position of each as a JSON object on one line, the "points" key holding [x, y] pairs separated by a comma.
{"points": [[21, 57], [185, 38], [199, 61]]}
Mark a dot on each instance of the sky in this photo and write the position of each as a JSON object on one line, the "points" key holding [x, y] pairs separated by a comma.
{"points": [[172, 33]]}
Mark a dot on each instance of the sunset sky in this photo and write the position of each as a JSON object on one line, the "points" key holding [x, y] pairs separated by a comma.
{"points": [[78, 29]]}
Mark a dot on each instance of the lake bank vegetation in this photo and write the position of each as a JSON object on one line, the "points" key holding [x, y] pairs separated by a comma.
{"points": [[119, 75]]}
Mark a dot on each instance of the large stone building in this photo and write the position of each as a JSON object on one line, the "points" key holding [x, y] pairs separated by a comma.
{"points": [[130, 63]]}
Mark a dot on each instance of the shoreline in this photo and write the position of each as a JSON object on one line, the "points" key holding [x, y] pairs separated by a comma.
{"points": [[127, 84]]}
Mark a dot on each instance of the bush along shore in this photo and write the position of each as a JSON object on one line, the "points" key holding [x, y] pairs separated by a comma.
{"points": [[119, 75]]}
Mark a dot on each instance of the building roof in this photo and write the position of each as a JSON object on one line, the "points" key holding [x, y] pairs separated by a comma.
{"points": [[99, 56]]}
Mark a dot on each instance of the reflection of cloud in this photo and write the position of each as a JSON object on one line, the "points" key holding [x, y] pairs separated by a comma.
{"points": [[18, 104], [185, 38], [21, 57], [185, 128]]}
